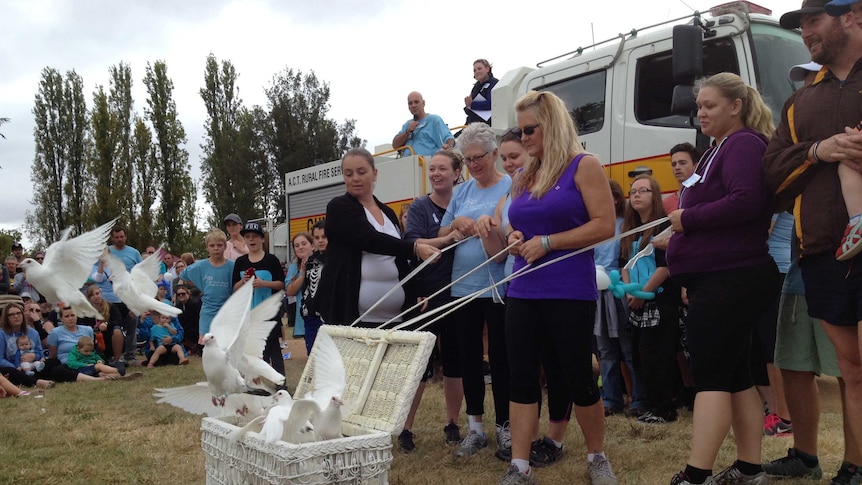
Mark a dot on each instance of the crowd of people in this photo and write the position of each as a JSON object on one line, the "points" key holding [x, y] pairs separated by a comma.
{"points": [[726, 295]]}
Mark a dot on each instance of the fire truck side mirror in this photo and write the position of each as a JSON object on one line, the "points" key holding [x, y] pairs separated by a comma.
{"points": [[687, 53]]}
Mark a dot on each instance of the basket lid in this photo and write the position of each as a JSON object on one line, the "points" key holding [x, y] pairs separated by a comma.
{"points": [[383, 369]]}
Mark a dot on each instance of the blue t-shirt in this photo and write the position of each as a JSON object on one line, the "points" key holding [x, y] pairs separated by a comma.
{"points": [[471, 201], [429, 136], [101, 280], [9, 346], [608, 254], [65, 340], [128, 255], [215, 286]]}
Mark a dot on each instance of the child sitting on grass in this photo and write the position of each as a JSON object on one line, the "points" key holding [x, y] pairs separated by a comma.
{"points": [[84, 359], [26, 357], [164, 338]]}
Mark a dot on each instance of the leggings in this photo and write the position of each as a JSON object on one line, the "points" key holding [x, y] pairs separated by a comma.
{"points": [[561, 327], [469, 321]]}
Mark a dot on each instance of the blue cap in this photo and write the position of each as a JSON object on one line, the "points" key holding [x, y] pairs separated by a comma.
{"points": [[837, 8]]}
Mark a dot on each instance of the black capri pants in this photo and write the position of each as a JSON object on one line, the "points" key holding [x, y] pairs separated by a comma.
{"points": [[723, 308], [562, 327]]}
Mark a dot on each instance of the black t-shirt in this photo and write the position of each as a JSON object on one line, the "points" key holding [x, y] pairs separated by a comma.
{"points": [[268, 268]]}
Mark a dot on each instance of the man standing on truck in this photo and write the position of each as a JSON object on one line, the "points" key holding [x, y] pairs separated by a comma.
{"points": [[426, 133], [817, 131]]}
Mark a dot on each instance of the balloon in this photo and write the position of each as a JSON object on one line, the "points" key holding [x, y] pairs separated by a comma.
{"points": [[620, 289], [603, 281]]}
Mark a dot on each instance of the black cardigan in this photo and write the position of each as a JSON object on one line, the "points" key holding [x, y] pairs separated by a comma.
{"points": [[349, 234]]}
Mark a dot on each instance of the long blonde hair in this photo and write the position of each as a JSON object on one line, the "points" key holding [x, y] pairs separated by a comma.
{"points": [[755, 113], [559, 146]]}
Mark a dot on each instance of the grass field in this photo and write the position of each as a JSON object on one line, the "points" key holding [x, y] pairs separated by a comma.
{"points": [[114, 433]]}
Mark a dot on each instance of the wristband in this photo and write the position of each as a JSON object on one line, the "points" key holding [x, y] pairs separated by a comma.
{"points": [[814, 151], [546, 243], [509, 234]]}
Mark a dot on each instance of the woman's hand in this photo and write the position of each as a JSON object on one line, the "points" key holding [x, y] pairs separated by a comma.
{"points": [[484, 225], [660, 241], [468, 101], [455, 236], [103, 326], [515, 236], [533, 249], [676, 220], [464, 225], [634, 303], [167, 340], [425, 251]]}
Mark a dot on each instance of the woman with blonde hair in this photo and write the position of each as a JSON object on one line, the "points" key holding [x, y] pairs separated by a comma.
{"points": [[718, 252], [561, 202]]}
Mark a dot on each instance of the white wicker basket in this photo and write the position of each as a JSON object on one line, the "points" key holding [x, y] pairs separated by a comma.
{"points": [[383, 371]]}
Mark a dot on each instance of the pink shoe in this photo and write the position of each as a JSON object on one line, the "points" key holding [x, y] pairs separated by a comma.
{"points": [[23, 393], [851, 243]]}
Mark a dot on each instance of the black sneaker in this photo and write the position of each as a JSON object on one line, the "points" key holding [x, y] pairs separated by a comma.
{"points": [[544, 452], [848, 474], [405, 441], [453, 434], [792, 466], [121, 367]]}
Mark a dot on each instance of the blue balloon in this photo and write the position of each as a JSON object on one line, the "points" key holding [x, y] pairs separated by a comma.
{"points": [[620, 289]]}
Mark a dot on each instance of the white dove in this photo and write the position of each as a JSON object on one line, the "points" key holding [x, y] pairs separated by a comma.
{"points": [[330, 382], [279, 421], [68, 263], [251, 341], [196, 399], [220, 359], [137, 289]]}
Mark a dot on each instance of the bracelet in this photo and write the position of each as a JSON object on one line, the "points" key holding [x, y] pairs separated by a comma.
{"points": [[415, 247], [509, 234], [814, 151], [546, 243]]}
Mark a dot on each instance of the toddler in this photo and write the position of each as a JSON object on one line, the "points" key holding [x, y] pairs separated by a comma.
{"points": [[26, 357], [85, 360], [162, 340]]}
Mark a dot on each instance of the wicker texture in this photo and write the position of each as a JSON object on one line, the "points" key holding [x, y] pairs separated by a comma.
{"points": [[383, 370]]}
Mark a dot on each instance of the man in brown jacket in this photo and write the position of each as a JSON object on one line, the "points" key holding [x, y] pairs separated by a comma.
{"points": [[816, 132]]}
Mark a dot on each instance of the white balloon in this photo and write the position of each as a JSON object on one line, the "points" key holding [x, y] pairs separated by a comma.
{"points": [[603, 281]]}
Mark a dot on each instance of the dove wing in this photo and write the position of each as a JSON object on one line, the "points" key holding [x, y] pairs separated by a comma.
{"points": [[253, 339], [329, 374], [195, 399], [228, 323], [73, 259], [303, 411], [144, 276]]}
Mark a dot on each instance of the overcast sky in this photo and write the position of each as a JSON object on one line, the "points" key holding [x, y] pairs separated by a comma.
{"points": [[371, 52]]}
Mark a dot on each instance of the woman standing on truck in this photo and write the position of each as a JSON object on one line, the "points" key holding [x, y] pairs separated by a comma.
{"points": [[478, 104], [718, 252], [561, 202]]}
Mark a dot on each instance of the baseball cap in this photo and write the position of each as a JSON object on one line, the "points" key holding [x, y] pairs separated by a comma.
{"points": [[26, 294], [791, 20], [233, 217], [798, 72], [252, 227], [837, 8], [17, 245]]}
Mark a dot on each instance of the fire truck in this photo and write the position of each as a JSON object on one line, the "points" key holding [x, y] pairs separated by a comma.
{"points": [[631, 98]]}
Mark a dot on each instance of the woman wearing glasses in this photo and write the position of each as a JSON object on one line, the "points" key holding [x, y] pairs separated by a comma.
{"points": [[656, 320], [471, 200], [560, 202], [13, 326]]}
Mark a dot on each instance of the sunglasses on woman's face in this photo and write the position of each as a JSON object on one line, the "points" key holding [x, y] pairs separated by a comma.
{"points": [[527, 130]]}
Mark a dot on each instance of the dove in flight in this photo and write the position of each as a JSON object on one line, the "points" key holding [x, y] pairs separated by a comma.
{"points": [[67, 265], [137, 288], [197, 399]]}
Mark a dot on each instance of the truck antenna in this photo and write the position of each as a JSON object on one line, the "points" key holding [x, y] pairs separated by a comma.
{"points": [[687, 5]]}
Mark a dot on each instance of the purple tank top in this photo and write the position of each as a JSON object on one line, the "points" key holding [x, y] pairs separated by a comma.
{"points": [[560, 209]]}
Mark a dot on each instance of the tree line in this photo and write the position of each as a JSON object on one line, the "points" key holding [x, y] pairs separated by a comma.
{"points": [[93, 164]]}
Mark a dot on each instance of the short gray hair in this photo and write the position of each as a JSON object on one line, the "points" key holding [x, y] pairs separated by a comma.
{"points": [[477, 134]]}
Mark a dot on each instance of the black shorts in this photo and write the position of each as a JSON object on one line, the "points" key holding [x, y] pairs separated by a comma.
{"points": [[833, 289]]}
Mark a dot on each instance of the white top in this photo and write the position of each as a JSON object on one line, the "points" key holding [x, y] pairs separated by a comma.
{"points": [[379, 275]]}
